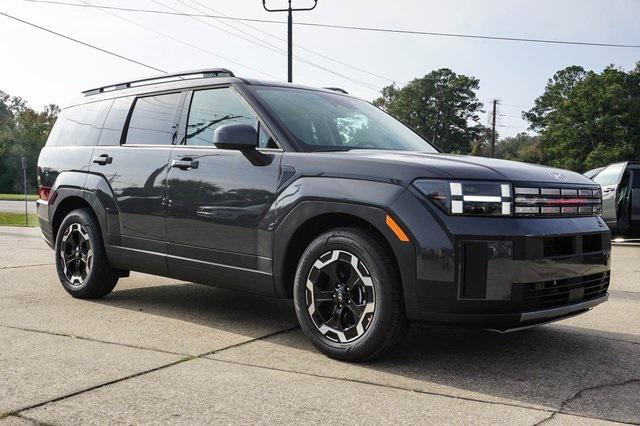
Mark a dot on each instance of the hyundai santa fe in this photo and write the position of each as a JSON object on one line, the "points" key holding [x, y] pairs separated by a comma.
{"points": [[312, 194]]}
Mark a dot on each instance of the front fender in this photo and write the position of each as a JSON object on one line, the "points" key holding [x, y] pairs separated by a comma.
{"points": [[310, 197]]}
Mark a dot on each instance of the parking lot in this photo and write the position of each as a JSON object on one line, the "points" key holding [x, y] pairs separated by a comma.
{"points": [[161, 351]]}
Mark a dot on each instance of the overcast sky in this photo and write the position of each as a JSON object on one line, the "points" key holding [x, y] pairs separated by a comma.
{"points": [[43, 68]]}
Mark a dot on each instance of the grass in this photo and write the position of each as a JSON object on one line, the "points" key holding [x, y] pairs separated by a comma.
{"points": [[17, 219], [17, 197]]}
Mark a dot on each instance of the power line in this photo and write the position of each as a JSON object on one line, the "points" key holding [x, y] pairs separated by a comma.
{"points": [[83, 43], [472, 36], [514, 106], [180, 41], [278, 50], [511, 127], [271, 47], [361, 28], [314, 52]]}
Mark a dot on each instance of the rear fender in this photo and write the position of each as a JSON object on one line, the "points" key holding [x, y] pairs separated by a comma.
{"points": [[91, 188]]}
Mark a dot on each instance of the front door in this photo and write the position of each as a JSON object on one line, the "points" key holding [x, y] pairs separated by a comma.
{"points": [[609, 179], [217, 199]]}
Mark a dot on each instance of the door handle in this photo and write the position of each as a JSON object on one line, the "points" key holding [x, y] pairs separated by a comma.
{"points": [[185, 164], [608, 190], [103, 159]]}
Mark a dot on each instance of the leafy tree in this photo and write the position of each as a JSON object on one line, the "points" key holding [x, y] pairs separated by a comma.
{"points": [[522, 147], [442, 107], [23, 132], [588, 119]]}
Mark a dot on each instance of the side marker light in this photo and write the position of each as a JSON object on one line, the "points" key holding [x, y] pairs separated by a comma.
{"points": [[395, 228]]}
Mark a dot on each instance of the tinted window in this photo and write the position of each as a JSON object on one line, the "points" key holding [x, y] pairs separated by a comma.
{"points": [[611, 175], [153, 120], [80, 125], [635, 183], [329, 121], [113, 125], [265, 140], [213, 108], [56, 131]]}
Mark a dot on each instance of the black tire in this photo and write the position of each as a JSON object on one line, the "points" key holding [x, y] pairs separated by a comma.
{"points": [[100, 277], [387, 323]]}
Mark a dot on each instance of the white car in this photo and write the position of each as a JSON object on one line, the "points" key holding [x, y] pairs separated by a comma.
{"points": [[620, 184]]}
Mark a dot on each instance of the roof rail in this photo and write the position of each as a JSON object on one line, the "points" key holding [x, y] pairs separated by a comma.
{"points": [[165, 78], [337, 89]]}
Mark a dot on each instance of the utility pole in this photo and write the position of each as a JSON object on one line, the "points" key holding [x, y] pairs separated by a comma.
{"points": [[290, 11], [24, 177], [493, 129]]}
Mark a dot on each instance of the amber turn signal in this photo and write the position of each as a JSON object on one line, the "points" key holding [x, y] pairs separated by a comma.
{"points": [[396, 229]]}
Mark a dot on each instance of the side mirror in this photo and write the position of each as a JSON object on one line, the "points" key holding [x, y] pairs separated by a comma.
{"points": [[242, 137]]}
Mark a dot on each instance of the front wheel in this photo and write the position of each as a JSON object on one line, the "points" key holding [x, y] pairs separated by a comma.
{"points": [[348, 295], [81, 262]]}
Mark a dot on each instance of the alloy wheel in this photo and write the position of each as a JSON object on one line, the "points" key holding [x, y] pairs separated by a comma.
{"points": [[76, 254], [340, 296]]}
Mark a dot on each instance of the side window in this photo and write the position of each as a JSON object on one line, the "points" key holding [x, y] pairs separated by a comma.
{"points": [[213, 108], [56, 131], [153, 120], [635, 183], [113, 125], [264, 138], [611, 175], [80, 125]]}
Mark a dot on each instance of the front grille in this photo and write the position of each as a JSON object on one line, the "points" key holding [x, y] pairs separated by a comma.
{"points": [[558, 201], [558, 293]]}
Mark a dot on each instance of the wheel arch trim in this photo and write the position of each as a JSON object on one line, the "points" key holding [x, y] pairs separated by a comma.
{"points": [[91, 189], [306, 211]]}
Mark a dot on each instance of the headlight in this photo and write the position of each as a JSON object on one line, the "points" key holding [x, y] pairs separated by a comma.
{"points": [[477, 198]]}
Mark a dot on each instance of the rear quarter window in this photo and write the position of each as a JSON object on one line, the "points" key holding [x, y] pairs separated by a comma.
{"points": [[80, 125], [54, 135]]}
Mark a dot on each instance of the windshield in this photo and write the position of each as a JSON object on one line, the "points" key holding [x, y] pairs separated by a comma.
{"points": [[325, 121]]}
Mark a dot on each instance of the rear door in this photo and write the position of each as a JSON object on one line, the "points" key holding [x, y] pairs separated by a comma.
{"points": [[609, 179], [133, 155], [217, 205]]}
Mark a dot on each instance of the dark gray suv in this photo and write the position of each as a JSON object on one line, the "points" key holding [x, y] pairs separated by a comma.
{"points": [[312, 194]]}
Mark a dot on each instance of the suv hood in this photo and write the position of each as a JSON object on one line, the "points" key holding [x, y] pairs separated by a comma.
{"points": [[404, 167]]}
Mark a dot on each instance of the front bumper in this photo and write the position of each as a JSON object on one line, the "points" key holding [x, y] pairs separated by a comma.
{"points": [[503, 273]]}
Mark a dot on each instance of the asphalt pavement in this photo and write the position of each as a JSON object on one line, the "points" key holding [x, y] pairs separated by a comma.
{"points": [[161, 351]]}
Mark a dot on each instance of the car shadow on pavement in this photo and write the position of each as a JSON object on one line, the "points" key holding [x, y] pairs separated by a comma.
{"points": [[554, 366], [230, 311]]}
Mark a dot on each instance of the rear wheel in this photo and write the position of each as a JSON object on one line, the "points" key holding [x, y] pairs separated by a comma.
{"points": [[81, 263], [348, 296]]}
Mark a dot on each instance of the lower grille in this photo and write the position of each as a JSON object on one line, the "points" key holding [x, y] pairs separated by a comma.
{"points": [[558, 293]]}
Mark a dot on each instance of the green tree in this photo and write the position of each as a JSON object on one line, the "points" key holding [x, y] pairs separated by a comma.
{"points": [[23, 132], [442, 107], [522, 147], [588, 119]]}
